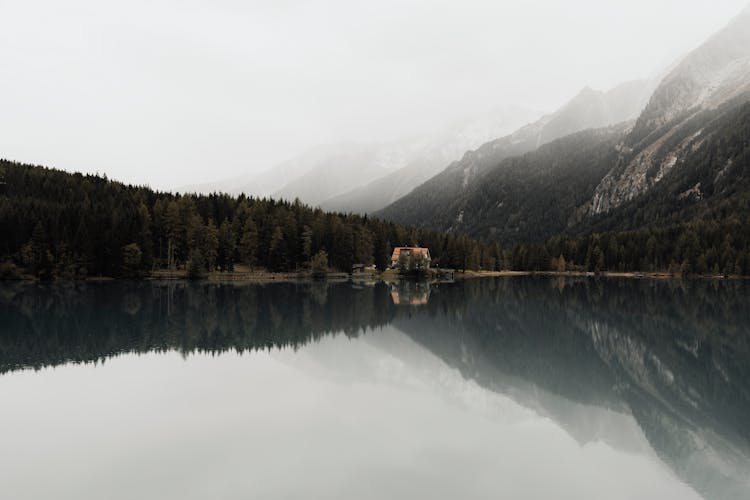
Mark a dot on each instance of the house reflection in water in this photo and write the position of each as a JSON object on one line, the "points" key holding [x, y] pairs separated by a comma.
{"points": [[410, 293]]}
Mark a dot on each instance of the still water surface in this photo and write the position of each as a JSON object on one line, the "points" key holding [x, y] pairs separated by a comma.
{"points": [[493, 388]]}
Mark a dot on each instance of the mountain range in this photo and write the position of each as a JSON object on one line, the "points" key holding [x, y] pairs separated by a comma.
{"points": [[685, 154], [434, 155], [648, 176], [363, 177]]}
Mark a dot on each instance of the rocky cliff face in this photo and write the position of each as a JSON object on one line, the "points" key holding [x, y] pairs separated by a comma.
{"points": [[636, 174], [685, 153], [589, 109], [713, 74]]}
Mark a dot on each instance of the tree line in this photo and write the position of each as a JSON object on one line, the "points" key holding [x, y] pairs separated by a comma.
{"points": [[58, 224], [715, 243]]}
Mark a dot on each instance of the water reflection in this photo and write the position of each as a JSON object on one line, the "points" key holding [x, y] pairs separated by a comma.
{"points": [[637, 364], [410, 293]]}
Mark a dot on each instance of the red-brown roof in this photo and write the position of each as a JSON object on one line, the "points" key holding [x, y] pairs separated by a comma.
{"points": [[397, 252]]}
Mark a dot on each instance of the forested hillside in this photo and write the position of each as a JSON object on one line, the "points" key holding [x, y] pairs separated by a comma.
{"points": [[530, 197], [669, 193], [437, 202], [665, 191], [711, 156], [692, 221], [55, 223]]}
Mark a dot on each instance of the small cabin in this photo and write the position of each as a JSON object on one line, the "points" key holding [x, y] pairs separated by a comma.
{"points": [[409, 254], [358, 268]]}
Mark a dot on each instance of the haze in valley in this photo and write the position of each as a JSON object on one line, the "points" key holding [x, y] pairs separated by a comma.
{"points": [[172, 94]]}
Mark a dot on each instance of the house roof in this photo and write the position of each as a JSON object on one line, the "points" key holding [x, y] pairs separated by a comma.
{"points": [[412, 250]]}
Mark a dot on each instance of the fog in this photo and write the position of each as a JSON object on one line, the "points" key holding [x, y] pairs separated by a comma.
{"points": [[168, 93]]}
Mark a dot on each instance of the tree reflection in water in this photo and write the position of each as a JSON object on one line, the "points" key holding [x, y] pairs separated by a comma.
{"points": [[674, 355]]}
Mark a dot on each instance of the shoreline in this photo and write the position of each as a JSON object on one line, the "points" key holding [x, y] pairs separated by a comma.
{"points": [[368, 277]]}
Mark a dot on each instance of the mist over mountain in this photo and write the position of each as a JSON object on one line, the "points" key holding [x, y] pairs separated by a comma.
{"points": [[644, 155], [347, 249], [429, 203], [322, 172], [363, 177], [716, 72], [433, 156], [711, 74], [273, 179], [345, 169], [684, 155]]}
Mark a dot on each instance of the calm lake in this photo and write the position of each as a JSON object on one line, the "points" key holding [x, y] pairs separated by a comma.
{"points": [[490, 388]]}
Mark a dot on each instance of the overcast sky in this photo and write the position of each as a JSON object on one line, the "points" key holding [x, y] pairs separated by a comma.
{"points": [[174, 92]]}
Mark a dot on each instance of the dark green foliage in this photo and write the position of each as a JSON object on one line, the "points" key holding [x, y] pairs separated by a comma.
{"points": [[248, 244], [414, 264], [523, 198], [227, 249], [56, 224], [711, 181], [9, 271], [717, 243], [196, 268], [692, 221], [319, 264], [132, 258]]}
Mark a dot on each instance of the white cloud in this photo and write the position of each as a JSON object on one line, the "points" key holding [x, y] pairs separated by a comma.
{"points": [[176, 92]]}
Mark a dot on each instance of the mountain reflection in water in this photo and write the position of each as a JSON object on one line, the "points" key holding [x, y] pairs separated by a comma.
{"points": [[671, 356]]}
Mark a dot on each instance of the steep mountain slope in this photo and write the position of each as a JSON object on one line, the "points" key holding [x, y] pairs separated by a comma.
{"points": [[549, 192], [336, 175], [711, 74], [431, 202], [530, 197], [715, 73], [269, 181], [685, 156], [346, 169], [384, 190], [435, 155], [701, 167]]}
